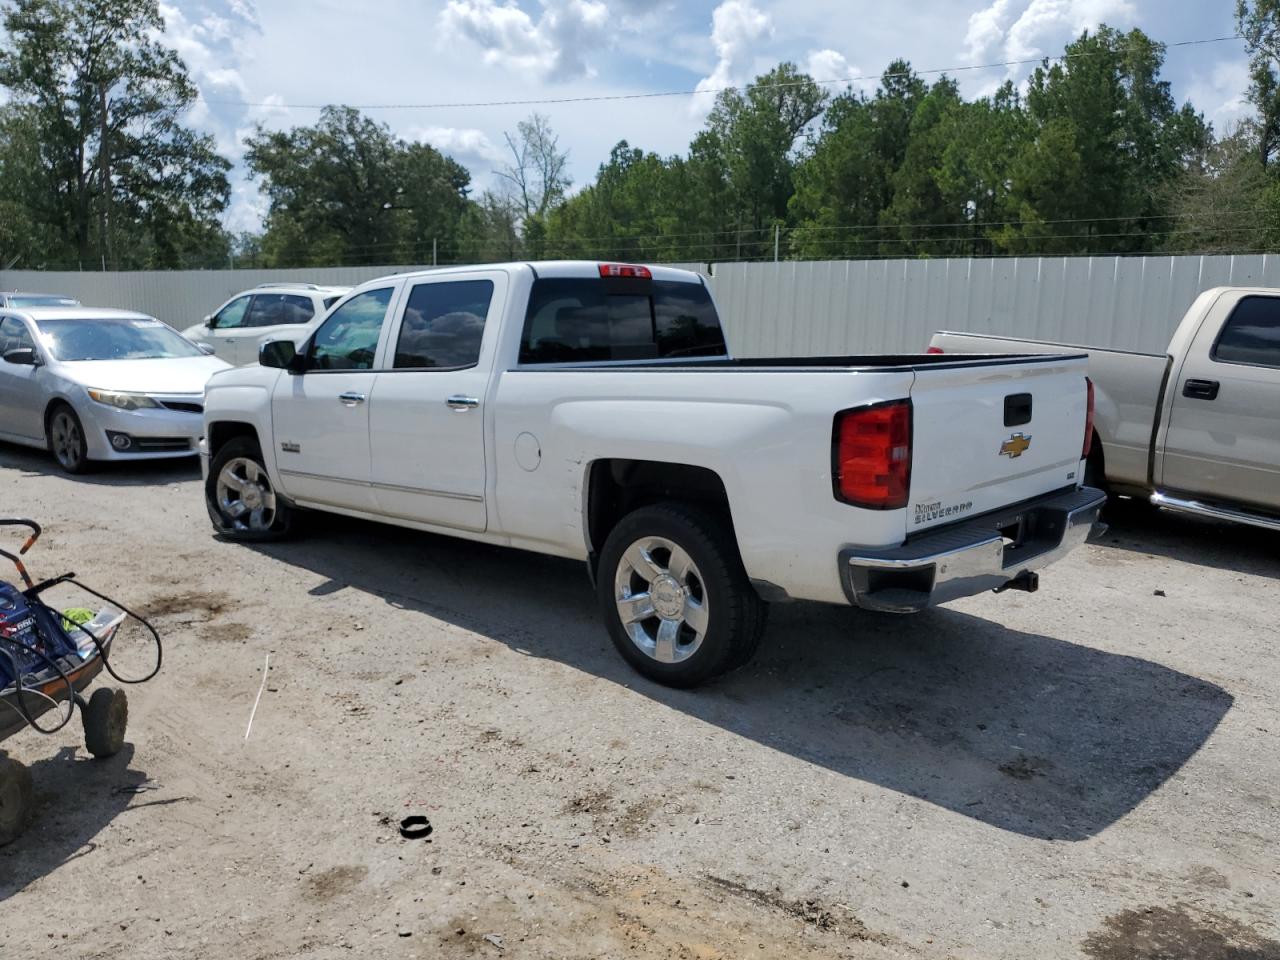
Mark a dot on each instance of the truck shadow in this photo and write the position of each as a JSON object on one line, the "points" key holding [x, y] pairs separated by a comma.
{"points": [[111, 473], [1138, 528], [76, 797], [1040, 735]]}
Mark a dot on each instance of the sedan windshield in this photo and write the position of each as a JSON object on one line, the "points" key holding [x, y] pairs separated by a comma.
{"points": [[113, 339]]}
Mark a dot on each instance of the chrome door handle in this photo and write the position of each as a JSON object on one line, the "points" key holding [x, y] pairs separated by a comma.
{"points": [[463, 403], [351, 399]]}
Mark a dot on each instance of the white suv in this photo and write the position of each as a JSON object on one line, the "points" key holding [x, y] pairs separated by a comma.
{"points": [[270, 311]]}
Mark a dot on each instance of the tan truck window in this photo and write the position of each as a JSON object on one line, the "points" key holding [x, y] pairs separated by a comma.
{"points": [[1251, 334]]}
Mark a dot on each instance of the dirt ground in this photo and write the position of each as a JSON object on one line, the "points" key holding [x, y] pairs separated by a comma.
{"points": [[1087, 772]]}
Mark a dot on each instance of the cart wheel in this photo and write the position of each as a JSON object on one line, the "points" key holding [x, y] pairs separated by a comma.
{"points": [[105, 719], [15, 799]]}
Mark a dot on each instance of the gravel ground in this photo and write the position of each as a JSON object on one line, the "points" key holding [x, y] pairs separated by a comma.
{"points": [[1089, 771]]}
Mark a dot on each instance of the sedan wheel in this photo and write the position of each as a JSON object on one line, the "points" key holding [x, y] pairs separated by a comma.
{"points": [[66, 440]]}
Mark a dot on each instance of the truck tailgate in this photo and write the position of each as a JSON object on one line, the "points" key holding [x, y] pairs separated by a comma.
{"points": [[990, 433]]}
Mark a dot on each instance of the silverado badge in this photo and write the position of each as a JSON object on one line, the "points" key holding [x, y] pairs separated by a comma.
{"points": [[1015, 446]]}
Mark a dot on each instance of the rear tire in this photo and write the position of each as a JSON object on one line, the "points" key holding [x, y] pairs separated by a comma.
{"points": [[106, 720], [242, 502], [16, 804], [675, 596], [65, 438]]}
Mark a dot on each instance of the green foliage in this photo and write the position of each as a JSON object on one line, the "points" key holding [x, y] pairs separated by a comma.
{"points": [[345, 190], [98, 165]]}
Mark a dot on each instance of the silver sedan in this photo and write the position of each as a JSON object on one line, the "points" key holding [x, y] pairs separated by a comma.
{"points": [[89, 383]]}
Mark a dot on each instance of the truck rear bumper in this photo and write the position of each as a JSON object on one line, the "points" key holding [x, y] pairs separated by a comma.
{"points": [[997, 551]]}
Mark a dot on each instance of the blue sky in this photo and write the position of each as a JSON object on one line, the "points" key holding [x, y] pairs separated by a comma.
{"points": [[257, 62]]}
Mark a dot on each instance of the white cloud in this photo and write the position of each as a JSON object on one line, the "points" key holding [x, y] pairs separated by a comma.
{"points": [[556, 47], [470, 147], [737, 27], [1021, 30], [830, 65], [1221, 93]]}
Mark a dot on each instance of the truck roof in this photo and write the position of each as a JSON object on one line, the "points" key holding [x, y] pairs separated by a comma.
{"points": [[582, 269]]}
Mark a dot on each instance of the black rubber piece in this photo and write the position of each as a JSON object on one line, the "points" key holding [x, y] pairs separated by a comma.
{"points": [[106, 719], [738, 614], [243, 447], [416, 827]]}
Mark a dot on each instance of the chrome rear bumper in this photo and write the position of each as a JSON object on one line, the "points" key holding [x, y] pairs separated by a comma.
{"points": [[997, 551]]}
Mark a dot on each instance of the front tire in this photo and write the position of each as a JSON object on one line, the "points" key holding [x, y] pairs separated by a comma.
{"points": [[243, 505], [675, 596], [65, 435], [105, 719]]}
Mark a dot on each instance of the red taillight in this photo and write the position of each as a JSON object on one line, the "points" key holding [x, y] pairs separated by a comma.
{"points": [[872, 453], [934, 350], [625, 270], [1088, 420]]}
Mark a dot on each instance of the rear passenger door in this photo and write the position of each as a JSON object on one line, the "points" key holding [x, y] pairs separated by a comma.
{"points": [[273, 316], [1223, 439], [426, 415]]}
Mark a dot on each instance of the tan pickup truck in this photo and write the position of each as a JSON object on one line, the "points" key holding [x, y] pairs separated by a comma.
{"points": [[1196, 430]]}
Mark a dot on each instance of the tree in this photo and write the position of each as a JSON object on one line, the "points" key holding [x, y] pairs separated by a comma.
{"points": [[536, 175], [114, 175], [345, 190], [1107, 139], [753, 135], [1258, 21]]}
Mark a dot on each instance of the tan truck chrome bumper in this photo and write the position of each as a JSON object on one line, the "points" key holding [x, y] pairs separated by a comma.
{"points": [[997, 551]]}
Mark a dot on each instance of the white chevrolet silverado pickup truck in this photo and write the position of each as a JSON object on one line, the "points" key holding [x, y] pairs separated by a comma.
{"points": [[591, 411], [1196, 429]]}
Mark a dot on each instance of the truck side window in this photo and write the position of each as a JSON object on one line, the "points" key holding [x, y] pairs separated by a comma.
{"points": [[1251, 334], [348, 338], [443, 325], [582, 320]]}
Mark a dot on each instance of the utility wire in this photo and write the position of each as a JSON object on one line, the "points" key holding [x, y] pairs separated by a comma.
{"points": [[612, 97]]}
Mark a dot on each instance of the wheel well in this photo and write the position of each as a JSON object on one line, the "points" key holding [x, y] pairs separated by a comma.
{"points": [[220, 434], [1096, 463], [618, 486], [53, 405]]}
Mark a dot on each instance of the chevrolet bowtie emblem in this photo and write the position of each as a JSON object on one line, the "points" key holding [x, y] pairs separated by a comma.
{"points": [[1015, 446]]}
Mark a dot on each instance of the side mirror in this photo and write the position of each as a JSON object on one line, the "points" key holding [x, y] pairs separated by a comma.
{"points": [[281, 354], [210, 321], [26, 356], [206, 349]]}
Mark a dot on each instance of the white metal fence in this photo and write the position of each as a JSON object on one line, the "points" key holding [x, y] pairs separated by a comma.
{"points": [[803, 308], [891, 306]]}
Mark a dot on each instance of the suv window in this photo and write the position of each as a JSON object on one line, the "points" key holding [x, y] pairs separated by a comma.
{"points": [[274, 309], [443, 325], [14, 335], [1251, 334], [232, 315], [572, 319], [348, 338]]}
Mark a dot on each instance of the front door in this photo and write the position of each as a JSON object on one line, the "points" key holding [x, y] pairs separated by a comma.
{"points": [[426, 417], [321, 416], [226, 330], [1223, 441]]}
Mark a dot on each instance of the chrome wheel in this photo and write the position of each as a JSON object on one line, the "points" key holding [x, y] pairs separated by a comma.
{"points": [[244, 495], [661, 599], [66, 440]]}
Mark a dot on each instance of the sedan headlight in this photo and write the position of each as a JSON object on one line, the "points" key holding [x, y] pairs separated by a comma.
{"points": [[125, 401]]}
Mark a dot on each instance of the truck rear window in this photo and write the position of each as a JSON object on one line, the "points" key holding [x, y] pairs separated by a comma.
{"points": [[573, 320]]}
